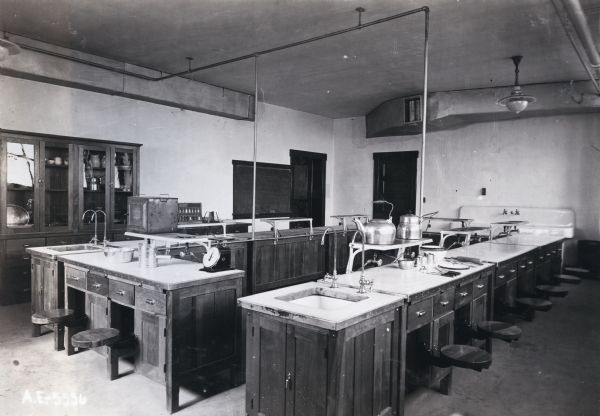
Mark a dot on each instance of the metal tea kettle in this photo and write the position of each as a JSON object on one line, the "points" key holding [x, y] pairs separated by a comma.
{"points": [[379, 231], [409, 226]]}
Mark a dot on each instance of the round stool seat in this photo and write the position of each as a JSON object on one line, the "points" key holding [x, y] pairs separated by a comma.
{"points": [[551, 290], [535, 304], [500, 330], [52, 316], [567, 278], [96, 337], [466, 356], [577, 271]]}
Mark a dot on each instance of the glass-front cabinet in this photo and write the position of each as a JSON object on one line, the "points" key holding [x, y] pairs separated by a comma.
{"points": [[93, 190], [124, 183], [56, 166], [20, 186]]}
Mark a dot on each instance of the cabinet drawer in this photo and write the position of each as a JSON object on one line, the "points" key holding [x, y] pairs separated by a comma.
{"points": [[75, 277], [121, 292], [150, 300], [97, 283], [419, 314], [443, 303], [463, 295], [15, 250], [480, 286]]}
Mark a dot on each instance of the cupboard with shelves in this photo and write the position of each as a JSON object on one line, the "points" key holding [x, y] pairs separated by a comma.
{"points": [[46, 184]]}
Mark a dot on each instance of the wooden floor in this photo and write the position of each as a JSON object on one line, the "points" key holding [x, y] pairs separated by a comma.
{"points": [[553, 370]]}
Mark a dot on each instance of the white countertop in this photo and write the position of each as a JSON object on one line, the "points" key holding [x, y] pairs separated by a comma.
{"points": [[392, 280], [537, 240], [490, 252], [331, 319], [170, 274]]}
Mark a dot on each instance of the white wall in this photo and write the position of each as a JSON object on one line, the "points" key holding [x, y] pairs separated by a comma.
{"points": [[186, 154], [549, 162]]}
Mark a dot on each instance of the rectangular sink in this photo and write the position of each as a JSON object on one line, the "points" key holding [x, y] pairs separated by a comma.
{"points": [[75, 247], [322, 298]]}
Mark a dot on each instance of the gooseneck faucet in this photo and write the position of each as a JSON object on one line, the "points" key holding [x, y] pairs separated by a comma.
{"points": [[98, 211], [94, 239], [365, 285], [327, 275]]}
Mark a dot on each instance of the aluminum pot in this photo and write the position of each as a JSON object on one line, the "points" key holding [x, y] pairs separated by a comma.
{"points": [[378, 231], [409, 226]]}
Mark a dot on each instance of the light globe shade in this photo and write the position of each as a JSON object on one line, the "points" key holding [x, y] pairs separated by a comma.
{"points": [[517, 105]]}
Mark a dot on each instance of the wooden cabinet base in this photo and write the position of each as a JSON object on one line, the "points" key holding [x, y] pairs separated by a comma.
{"points": [[299, 369]]}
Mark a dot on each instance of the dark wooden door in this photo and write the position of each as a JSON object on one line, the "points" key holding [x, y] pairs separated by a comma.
{"points": [[150, 332], [395, 180], [308, 185]]}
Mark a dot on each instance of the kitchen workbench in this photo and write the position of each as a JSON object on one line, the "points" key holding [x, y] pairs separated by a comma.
{"points": [[185, 321]]}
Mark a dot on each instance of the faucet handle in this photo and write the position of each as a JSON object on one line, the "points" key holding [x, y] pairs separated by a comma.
{"points": [[327, 276]]}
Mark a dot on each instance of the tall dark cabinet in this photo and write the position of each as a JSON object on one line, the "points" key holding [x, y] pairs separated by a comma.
{"points": [[46, 184]]}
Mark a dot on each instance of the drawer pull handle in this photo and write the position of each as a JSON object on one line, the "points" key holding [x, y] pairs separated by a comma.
{"points": [[26, 258], [523, 266], [541, 257], [444, 303], [150, 301], [501, 276], [480, 286], [463, 294], [548, 254], [96, 285], [529, 262], [74, 277], [26, 245], [421, 313], [512, 270], [121, 293]]}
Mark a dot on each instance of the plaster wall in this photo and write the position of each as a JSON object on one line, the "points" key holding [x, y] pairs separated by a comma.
{"points": [[551, 162], [186, 154]]}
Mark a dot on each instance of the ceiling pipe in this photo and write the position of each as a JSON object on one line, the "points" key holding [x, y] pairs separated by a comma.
{"points": [[582, 28], [572, 33]]}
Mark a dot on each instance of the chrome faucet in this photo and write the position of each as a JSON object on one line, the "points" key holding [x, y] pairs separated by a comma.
{"points": [[104, 241], [365, 285], [94, 239], [327, 275]]}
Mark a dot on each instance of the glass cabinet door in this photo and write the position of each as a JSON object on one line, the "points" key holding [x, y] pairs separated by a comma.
{"points": [[124, 183], [56, 169], [93, 183], [20, 184]]}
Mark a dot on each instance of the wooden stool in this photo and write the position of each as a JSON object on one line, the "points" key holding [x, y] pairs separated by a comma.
{"points": [[577, 271], [499, 330], [58, 318], [110, 338], [567, 278], [535, 304], [552, 291], [465, 356]]}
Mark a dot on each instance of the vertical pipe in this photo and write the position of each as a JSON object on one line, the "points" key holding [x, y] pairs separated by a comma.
{"points": [[424, 112], [255, 142]]}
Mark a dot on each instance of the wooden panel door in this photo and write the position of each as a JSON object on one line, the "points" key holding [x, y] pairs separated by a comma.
{"points": [[150, 331], [306, 372], [37, 285], [266, 366]]}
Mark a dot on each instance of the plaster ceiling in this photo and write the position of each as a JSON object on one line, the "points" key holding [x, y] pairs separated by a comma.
{"points": [[345, 76]]}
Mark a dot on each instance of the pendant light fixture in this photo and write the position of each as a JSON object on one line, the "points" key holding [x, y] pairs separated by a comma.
{"points": [[516, 101], [8, 48]]}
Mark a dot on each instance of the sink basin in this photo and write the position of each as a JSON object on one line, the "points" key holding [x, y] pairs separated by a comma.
{"points": [[322, 298], [75, 247]]}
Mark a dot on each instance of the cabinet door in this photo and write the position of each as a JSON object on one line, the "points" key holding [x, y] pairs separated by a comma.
{"points": [[96, 309], [44, 285], [16, 274], [266, 366], [56, 163], [124, 173], [479, 309], [91, 178], [150, 331], [306, 372], [19, 187]]}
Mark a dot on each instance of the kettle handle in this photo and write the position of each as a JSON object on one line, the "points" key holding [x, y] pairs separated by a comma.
{"points": [[383, 201]]}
